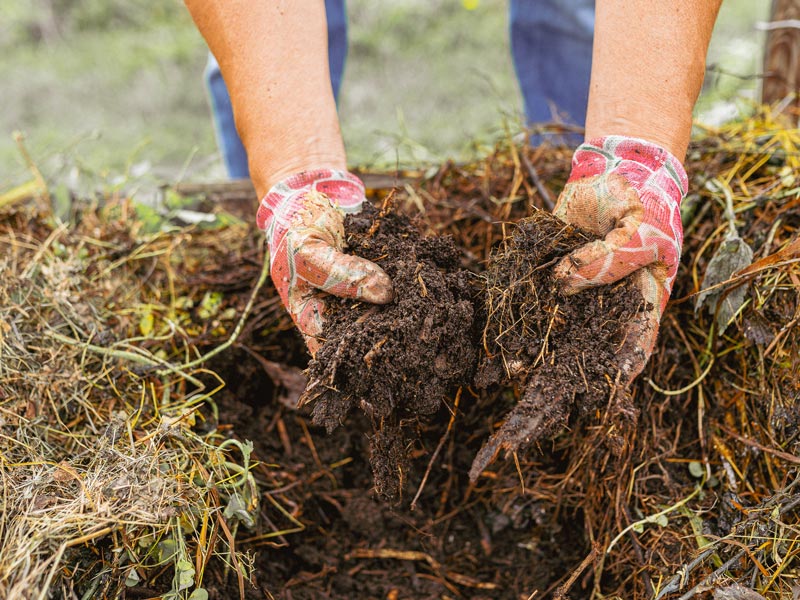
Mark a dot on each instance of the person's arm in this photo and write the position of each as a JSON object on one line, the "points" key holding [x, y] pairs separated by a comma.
{"points": [[648, 64], [627, 179], [274, 59]]}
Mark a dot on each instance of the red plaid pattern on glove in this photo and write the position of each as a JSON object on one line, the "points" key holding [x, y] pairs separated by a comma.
{"points": [[629, 192], [303, 218]]}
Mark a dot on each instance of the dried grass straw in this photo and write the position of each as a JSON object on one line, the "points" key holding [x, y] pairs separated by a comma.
{"points": [[111, 465]]}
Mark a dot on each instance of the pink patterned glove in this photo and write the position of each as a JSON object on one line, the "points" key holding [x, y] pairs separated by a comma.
{"points": [[629, 191], [303, 217]]}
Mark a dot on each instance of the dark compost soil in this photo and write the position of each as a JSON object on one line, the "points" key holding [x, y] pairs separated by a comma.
{"points": [[398, 362], [560, 349], [358, 546], [458, 540]]}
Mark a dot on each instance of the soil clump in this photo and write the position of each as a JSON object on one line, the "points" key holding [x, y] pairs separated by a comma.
{"points": [[401, 361], [560, 350]]}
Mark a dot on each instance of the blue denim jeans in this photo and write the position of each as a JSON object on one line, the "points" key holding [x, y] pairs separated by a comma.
{"points": [[551, 45], [230, 145]]}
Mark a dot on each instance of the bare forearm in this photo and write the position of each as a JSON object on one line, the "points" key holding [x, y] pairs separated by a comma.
{"points": [[647, 69], [273, 57]]}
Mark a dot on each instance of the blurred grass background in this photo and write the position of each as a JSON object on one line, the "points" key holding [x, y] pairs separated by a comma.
{"points": [[114, 89]]}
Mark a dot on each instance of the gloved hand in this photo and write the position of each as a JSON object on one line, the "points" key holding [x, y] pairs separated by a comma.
{"points": [[303, 217], [628, 191]]}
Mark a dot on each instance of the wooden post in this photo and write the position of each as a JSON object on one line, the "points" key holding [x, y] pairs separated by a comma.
{"points": [[782, 58]]}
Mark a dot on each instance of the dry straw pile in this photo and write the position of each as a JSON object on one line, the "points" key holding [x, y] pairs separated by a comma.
{"points": [[113, 470]]}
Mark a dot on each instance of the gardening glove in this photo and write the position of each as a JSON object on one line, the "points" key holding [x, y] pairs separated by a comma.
{"points": [[628, 191], [303, 218]]}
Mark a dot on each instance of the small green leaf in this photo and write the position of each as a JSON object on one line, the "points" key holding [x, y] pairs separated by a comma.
{"points": [[152, 221], [133, 578], [246, 449], [199, 594], [638, 527], [732, 255], [696, 469], [210, 305], [661, 520], [167, 549], [185, 574], [146, 323], [237, 509]]}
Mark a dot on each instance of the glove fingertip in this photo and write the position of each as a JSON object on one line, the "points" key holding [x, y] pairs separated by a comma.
{"points": [[566, 276], [564, 268], [574, 284], [312, 344], [377, 288]]}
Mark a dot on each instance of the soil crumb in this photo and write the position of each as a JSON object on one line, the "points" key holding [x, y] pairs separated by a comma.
{"points": [[560, 350], [402, 360]]}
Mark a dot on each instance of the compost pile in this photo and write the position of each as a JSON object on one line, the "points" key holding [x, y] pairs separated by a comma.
{"points": [[101, 393]]}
